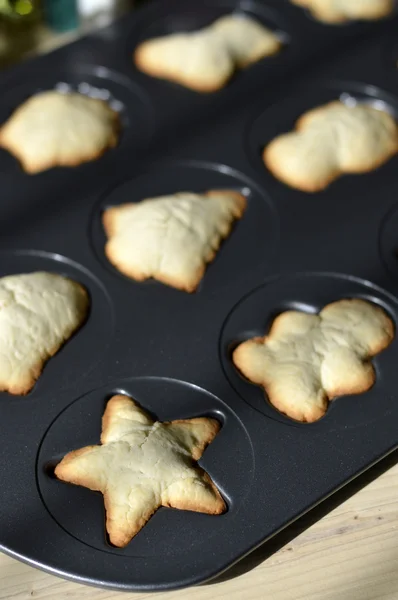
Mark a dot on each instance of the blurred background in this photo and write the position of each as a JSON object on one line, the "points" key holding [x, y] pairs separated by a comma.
{"points": [[29, 27]]}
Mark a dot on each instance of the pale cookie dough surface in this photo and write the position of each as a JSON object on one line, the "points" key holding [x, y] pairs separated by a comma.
{"points": [[170, 238], [142, 465], [38, 312], [204, 60], [58, 129], [330, 141], [308, 359], [339, 11]]}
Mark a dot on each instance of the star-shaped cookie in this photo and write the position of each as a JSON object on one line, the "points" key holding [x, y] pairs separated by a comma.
{"points": [[171, 238], [308, 359], [142, 465]]}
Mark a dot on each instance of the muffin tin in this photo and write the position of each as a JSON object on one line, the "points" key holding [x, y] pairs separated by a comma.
{"points": [[169, 350]]}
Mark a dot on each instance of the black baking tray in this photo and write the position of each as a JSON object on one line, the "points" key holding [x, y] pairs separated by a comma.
{"points": [[169, 350]]}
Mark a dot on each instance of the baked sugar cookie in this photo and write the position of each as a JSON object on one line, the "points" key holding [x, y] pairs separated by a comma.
{"points": [[171, 238], [204, 60], [330, 141], [142, 465], [339, 11], [59, 129], [38, 313], [307, 360]]}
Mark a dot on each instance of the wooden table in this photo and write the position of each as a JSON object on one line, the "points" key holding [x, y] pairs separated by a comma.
{"points": [[345, 549]]}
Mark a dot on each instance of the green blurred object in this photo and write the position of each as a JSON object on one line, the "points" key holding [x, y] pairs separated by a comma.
{"points": [[16, 8], [23, 7], [5, 7], [18, 22]]}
